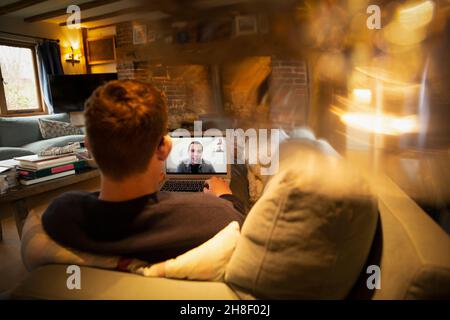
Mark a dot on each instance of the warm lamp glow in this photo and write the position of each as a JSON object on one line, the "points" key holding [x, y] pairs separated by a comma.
{"points": [[73, 57], [417, 15], [363, 96], [381, 123], [75, 45], [409, 26]]}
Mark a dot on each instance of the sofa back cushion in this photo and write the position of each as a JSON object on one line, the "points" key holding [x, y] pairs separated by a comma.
{"points": [[9, 153], [310, 233], [43, 144], [412, 251], [18, 131]]}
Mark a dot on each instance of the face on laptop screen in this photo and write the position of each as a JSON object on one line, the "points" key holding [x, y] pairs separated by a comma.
{"points": [[206, 155]]}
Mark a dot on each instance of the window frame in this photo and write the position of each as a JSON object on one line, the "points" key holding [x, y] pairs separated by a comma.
{"points": [[42, 109]]}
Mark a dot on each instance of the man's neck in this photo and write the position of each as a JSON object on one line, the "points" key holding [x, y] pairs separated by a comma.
{"points": [[130, 188]]}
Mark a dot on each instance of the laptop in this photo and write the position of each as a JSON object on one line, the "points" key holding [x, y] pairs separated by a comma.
{"points": [[194, 160]]}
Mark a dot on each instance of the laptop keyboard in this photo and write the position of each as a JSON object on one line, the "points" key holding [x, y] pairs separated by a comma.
{"points": [[183, 185]]}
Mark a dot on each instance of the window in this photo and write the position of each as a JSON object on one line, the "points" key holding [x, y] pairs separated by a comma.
{"points": [[19, 89]]}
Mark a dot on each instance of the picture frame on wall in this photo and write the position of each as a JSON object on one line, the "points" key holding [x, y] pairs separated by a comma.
{"points": [[140, 34], [101, 50], [245, 25]]}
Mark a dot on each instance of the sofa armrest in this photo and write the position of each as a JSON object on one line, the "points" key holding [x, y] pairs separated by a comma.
{"points": [[10, 152], [49, 282]]}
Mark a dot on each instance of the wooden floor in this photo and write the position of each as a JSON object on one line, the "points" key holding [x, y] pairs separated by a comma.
{"points": [[12, 271]]}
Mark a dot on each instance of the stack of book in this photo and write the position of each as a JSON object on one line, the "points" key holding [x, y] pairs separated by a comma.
{"points": [[35, 168]]}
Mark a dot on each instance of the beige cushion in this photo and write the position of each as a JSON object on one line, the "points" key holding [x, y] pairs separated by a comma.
{"points": [[413, 252], [310, 233]]}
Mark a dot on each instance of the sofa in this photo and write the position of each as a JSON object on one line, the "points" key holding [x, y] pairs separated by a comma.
{"points": [[410, 249], [21, 136]]}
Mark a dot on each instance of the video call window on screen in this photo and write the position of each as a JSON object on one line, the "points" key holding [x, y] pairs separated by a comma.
{"points": [[206, 155]]}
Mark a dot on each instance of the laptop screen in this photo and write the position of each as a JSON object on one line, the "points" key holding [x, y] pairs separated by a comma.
{"points": [[205, 155]]}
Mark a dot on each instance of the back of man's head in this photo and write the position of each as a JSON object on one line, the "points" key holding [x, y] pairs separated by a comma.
{"points": [[125, 122]]}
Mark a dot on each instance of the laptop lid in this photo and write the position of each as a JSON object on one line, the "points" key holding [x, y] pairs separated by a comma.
{"points": [[197, 158]]}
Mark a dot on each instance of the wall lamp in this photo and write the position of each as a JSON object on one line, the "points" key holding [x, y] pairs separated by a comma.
{"points": [[73, 57]]}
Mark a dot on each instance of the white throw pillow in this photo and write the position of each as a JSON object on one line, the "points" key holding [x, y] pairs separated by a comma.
{"points": [[205, 262]]}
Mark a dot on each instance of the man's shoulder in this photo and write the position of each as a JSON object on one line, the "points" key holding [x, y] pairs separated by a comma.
{"points": [[64, 209], [184, 162], [207, 166], [72, 196], [67, 201], [184, 200]]}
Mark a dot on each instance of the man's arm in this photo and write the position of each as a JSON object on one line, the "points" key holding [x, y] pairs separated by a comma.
{"points": [[220, 188], [210, 168], [237, 203]]}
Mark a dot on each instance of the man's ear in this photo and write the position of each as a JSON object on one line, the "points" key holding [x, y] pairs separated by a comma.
{"points": [[164, 148]]}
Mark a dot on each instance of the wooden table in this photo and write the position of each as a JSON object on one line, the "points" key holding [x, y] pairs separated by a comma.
{"points": [[16, 196]]}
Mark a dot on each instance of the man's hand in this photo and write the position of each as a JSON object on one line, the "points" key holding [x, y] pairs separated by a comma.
{"points": [[217, 186]]}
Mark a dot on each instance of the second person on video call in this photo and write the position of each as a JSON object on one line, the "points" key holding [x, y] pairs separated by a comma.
{"points": [[195, 162]]}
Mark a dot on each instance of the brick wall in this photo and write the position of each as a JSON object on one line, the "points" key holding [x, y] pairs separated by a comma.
{"points": [[186, 86], [124, 34], [189, 93], [288, 92], [187, 90]]}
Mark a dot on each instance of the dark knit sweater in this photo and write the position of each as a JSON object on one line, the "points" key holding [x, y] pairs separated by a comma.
{"points": [[153, 228]]}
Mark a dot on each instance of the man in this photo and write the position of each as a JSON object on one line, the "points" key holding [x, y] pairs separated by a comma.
{"points": [[126, 133], [195, 163]]}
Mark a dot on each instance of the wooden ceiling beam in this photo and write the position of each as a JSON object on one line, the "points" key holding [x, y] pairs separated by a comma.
{"points": [[102, 26], [117, 13], [15, 6], [250, 7], [63, 11], [178, 12]]}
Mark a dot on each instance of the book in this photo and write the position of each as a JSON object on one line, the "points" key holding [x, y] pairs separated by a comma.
{"points": [[37, 158], [3, 169], [34, 174], [54, 151], [47, 163], [47, 178], [9, 163]]}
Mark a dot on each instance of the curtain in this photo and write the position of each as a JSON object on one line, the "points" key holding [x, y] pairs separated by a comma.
{"points": [[49, 57]]}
